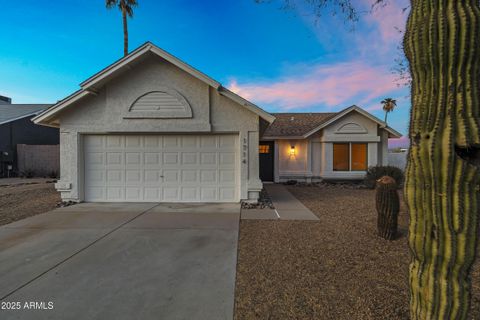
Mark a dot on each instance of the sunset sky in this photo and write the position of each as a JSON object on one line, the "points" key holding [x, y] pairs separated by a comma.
{"points": [[282, 60]]}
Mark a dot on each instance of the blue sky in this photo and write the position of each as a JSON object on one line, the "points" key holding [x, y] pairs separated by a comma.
{"points": [[283, 60]]}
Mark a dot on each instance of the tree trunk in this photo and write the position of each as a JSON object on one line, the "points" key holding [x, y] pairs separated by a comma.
{"points": [[442, 45], [125, 32]]}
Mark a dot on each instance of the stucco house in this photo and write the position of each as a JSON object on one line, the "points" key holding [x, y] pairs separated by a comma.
{"points": [[315, 146], [152, 128]]}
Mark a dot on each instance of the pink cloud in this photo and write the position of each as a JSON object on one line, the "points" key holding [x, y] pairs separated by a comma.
{"points": [[390, 18], [389, 22], [402, 142], [330, 85]]}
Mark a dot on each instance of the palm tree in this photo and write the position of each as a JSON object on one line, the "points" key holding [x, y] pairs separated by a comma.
{"points": [[126, 6], [388, 105]]}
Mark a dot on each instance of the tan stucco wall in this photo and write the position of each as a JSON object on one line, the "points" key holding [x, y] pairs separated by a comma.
{"points": [[321, 155], [104, 113], [292, 165]]}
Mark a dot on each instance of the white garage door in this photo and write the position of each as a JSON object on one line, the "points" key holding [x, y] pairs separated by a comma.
{"points": [[161, 168]]}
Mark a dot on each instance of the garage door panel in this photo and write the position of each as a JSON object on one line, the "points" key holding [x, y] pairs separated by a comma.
{"points": [[227, 194], [171, 176], [208, 141], [133, 177], [94, 142], [114, 158], [170, 142], [152, 177], [208, 194], [170, 194], [133, 158], [227, 141], [152, 158], [152, 194], [152, 141], [115, 177], [170, 158], [227, 158], [115, 193], [134, 194], [189, 176], [134, 142], [189, 194], [189, 142], [95, 159], [95, 178], [189, 158], [113, 142], [208, 158], [94, 193], [208, 176], [160, 168], [227, 176]]}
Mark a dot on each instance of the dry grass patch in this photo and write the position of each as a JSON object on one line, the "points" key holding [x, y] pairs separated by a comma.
{"points": [[335, 268], [22, 201]]}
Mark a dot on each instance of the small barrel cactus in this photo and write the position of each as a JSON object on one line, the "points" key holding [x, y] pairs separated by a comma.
{"points": [[388, 205]]}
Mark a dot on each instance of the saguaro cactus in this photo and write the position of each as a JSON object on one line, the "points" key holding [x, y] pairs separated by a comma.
{"points": [[442, 45], [388, 205]]}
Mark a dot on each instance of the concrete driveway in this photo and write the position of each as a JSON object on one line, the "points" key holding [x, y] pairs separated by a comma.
{"points": [[121, 261]]}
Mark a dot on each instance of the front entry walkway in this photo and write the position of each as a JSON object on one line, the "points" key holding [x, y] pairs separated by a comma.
{"points": [[287, 207], [121, 261]]}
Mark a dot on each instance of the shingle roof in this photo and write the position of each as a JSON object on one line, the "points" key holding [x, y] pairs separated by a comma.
{"points": [[296, 124], [11, 112]]}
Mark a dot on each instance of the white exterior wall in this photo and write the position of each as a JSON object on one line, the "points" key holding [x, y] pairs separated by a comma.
{"points": [[293, 167], [104, 114], [353, 127]]}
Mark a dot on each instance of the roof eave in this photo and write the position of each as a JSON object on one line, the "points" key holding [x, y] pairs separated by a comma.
{"points": [[19, 117], [147, 47], [46, 115], [89, 86], [345, 111], [247, 104], [393, 134], [282, 137]]}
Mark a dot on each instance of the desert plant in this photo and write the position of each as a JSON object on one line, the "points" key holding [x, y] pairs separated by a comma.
{"points": [[442, 45], [388, 206], [376, 172]]}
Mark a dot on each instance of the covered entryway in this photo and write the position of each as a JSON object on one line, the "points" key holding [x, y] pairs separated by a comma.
{"points": [[266, 152], [161, 168]]}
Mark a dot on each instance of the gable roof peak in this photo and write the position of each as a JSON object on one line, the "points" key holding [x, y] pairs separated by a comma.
{"points": [[93, 83]]}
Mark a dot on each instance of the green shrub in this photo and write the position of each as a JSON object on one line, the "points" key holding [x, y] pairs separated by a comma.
{"points": [[376, 172]]}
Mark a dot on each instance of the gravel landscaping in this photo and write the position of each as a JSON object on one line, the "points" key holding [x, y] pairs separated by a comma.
{"points": [[335, 268], [19, 201]]}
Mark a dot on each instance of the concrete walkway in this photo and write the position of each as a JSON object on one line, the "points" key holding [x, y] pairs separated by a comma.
{"points": [[287, 207], [122, 261]]}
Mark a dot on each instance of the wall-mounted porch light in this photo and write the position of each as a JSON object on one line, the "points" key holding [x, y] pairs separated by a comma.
{"points": [[292, 150]]}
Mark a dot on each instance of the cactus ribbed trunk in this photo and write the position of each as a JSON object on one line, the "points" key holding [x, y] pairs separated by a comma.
{"points": [[388, 206], [442, 45]]}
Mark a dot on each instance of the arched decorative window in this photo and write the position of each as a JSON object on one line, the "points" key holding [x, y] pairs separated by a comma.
{"points": [[163, 103], [351, 127]]}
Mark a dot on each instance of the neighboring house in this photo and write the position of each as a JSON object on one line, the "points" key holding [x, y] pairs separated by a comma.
{"points": [[315, 146], [151, 128], [17, 128]]}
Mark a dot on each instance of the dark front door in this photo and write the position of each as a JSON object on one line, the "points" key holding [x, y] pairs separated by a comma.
{"points": [[265, 150]]}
